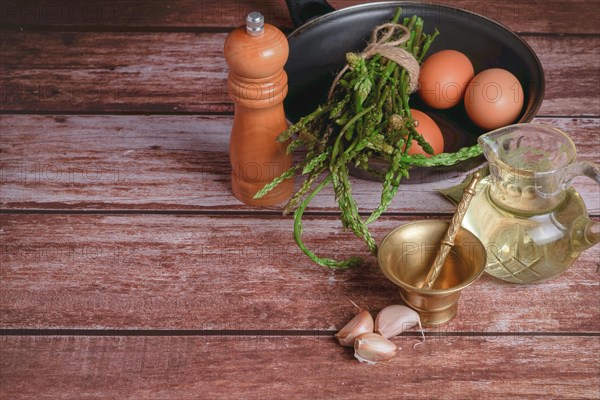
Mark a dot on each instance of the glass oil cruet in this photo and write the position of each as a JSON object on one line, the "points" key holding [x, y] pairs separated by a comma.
{"points": [[532, 222]]}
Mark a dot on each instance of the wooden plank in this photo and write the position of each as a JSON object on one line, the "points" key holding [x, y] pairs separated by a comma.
{"points": [[182, 163], [185, 72], [150, 72], [230, 273], [521, 16], [296, 367]]}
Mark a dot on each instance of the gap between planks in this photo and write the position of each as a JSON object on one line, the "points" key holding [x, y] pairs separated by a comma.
{"points": [[209, 29], [269, 333], [217, 213], [532, 16]]}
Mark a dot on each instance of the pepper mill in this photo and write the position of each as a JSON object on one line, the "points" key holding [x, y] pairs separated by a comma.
{"points": [[257, 84]]}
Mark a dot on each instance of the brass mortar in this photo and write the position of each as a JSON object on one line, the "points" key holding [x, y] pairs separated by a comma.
{"points": [[406, 254]]}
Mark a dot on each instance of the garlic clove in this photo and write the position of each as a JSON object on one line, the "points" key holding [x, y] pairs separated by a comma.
{"points": [[373, 348], [361, 323], [395, 319]]}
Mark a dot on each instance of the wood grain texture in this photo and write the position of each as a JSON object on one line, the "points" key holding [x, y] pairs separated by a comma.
{"points": [[182, 163], [186, 72], [244, 272], [555, 16], [167, 72], [269, 368], [180, 253]]}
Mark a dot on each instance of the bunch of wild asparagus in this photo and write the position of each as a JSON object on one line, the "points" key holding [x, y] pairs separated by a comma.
{"points": [[367, 115]]}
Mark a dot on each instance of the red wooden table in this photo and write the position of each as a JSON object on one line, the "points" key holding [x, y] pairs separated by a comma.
{"points": [[128, 270]]}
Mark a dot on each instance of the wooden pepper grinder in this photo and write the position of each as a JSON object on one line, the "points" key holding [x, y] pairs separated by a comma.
{"points": [[257, 84]]}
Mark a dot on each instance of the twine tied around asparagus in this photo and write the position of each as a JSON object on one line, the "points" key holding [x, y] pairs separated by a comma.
{"points": [[382, 45]]}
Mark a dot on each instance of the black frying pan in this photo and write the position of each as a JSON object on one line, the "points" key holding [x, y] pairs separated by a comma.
{"points": [[323, 36]]}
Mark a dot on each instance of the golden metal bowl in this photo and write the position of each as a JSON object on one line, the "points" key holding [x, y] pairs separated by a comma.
{"points": [[406, 255]]}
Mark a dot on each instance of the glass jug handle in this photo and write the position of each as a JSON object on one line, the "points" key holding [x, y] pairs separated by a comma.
{"points": [[590, 228], [582, 168]]}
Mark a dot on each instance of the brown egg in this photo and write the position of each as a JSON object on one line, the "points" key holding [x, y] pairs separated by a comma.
{"points": [[494, 98], [444, 78], [430, 131]]}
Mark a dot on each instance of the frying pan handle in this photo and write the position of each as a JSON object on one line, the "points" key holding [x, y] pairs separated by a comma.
{"points": [[302, 11]]}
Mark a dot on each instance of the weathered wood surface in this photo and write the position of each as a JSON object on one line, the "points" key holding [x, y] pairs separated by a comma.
{"points": [[166, 248], [174, 72], [482, 367], [241, 272], [521, 16], [182, 163]]}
